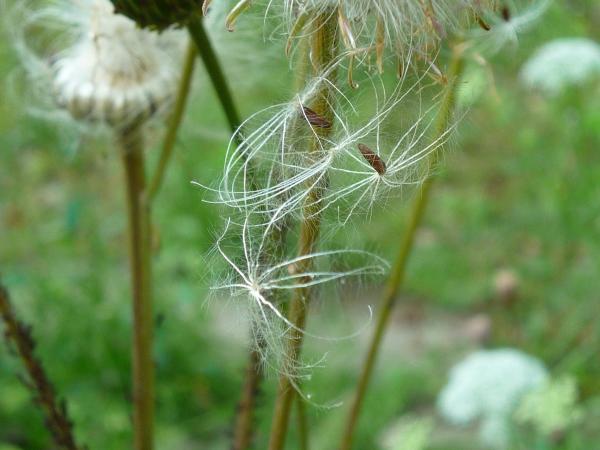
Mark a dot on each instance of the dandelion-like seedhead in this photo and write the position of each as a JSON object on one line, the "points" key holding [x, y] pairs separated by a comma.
{"points": [[562, 63], [101, 67], [264, 284], [488, 385], [368, 27], [366, 157]]}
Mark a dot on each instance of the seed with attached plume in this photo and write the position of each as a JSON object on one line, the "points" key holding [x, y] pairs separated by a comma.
{"points": [[373, 159], [314, 119]]}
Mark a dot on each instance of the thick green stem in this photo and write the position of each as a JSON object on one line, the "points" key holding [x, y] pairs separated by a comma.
{"points": [[139, 243], [323, 51], [399, 269], [215, 72], [174, 122]]}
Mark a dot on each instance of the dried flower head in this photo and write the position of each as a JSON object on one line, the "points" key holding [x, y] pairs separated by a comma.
{"points": [[102, 67], [368, 27], [159, 14]]}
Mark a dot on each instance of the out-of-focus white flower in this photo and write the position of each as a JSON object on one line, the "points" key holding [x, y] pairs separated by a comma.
{"points": [[552, 407], [409, 433], [103, 67], [505, 23], [562, 63], [487, 386]]}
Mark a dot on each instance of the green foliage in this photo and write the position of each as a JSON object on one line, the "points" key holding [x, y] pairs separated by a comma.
{"points": [[520, 191]]}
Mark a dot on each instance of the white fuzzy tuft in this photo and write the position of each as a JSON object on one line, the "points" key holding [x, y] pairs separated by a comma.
{"points": [[101, 67]]}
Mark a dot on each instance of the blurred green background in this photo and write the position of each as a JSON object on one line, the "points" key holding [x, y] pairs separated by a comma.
{"points": [[518, 202]]}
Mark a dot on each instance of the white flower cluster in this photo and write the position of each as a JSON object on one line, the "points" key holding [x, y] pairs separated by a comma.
{"points": [[562, 63], [487, 386], [552, 407]]}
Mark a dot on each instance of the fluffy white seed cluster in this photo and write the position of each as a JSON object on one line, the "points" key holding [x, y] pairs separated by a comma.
{"points": [[370, 26], [102, 67], [562, 63], [487, 386], [288, 162]]}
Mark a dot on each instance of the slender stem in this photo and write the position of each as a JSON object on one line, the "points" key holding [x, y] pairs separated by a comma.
{"points": [[302, 423], [243, 432], [398, 271], [139, 243], [18, 336], [323, 50], [215, 72], [174, 122], [242, 436]]}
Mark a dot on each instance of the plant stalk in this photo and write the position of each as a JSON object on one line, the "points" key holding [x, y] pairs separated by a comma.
{"points": [[174, 122], [18, 336], [215, 72], [302, 423], [323, 51], [243, 432], [398, 271], [140, 265]]}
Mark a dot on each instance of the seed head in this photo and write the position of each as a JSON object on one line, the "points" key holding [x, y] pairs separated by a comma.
{"points": [[102, 68], [159, 14]]}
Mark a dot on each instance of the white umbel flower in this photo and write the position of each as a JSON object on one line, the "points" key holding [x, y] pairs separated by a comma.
{"points": [[102, 68], [562, 63], [488, 385]]}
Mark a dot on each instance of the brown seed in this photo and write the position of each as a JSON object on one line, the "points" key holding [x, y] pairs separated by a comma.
{"points": [[505, 13], [482, 23], [315, 119], [373, 159]]}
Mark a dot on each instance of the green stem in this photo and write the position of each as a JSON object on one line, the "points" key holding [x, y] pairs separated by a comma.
{"points": [[174, 123], [139, 242], [302, 423], [215, 72], [323, 51], [399, 269], [244, 425]]}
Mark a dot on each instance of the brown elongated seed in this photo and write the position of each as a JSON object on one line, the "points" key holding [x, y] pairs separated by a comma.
{"points": [[505, 13], [315, 119], [482, 23], [373, 159]]}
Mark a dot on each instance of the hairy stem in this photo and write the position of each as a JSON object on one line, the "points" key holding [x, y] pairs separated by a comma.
{"points": [[398, 270], [323, 51], [18, 337], [174, 123], [215, 72], [140, 265]]}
